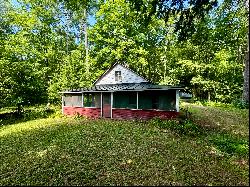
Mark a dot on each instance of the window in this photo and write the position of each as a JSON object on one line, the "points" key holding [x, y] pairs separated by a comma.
{"points": [[118, 76]]}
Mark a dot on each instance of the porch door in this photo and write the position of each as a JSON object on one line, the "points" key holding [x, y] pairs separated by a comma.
{"points": [[106, 106]]}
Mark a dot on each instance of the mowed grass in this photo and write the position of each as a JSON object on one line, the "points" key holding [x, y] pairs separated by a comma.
{"points": [[231, 120], [68, 151]]}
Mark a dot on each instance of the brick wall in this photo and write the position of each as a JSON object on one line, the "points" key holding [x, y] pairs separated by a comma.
{"points": [[120, 113], [88, 112], [143, 114]]}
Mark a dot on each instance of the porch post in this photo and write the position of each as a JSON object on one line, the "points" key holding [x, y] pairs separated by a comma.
{"points": [[137, 100], [101, 104], [82, 100], [177, 101], [111, 116], [62, 104]]}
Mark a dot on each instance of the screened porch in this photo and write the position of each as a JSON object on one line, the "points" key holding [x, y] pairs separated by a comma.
{"points": [[145, 100]]}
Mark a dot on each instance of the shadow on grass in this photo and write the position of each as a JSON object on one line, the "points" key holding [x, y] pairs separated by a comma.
{"points": [[222, 140], [14, 118], [97, 153]]}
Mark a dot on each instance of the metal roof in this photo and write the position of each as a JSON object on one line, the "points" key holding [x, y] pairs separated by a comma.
{"points": [[123, 87]]}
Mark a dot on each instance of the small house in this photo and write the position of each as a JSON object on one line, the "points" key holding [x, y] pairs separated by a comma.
{"points": [[120, 93]]}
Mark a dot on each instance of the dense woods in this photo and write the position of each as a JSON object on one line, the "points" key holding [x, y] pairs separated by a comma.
{"points": [[47, 46]]}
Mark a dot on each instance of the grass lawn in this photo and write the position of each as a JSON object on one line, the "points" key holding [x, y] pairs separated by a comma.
{"points": [[68, 151]]}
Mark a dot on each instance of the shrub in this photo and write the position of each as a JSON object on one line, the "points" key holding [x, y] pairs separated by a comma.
{"points": [[241, 104]]}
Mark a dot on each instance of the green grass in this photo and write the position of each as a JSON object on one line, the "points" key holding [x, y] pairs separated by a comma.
{"points": [[229, 120], [7, 109], [68, 151]]}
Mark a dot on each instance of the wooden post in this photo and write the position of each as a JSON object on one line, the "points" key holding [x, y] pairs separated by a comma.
{"points": [[177, 101], [111, 105], [101, 104], [62, 104], [82, 100], [137, 100]]}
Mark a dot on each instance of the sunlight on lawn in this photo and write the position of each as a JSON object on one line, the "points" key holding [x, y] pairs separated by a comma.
{"points": [[72, 151], [29, 126]]}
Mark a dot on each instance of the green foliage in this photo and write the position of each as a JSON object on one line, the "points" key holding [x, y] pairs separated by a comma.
{"points": [[239, 103], [71, 74], [236, 104], [230, 145], [213, 104], [43, 50], [30, 113]]}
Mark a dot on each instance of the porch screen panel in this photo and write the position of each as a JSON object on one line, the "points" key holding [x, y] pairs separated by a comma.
{"points": [[88, 100], [162, 100], [73, 100], [97, 99], [167, 101], [92, 100], [125, 100], [145, 100]]}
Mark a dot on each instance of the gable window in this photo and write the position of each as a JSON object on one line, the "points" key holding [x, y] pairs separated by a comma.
{"points": [[118, 76]]}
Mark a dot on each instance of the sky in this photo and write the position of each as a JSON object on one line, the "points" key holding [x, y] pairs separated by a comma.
{"points": [[91, 20]]}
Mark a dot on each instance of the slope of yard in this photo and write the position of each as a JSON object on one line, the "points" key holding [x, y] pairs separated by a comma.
{"points": [[67, 151], [230, 120]]}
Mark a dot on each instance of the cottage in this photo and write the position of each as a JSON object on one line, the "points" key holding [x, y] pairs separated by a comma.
{"points": [[120, 93]]}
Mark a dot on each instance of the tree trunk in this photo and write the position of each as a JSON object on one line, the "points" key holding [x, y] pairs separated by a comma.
{"points": [[246, 70], [86, 40], [246, 77]]}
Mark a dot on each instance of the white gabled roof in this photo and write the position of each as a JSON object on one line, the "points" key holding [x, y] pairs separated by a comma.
{"points": [[128, 76]]}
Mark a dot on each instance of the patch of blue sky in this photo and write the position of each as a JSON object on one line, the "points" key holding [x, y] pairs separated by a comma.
{"points": [[91, 20], [16, 3]]}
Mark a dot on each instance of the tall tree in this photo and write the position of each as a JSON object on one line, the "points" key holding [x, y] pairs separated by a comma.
{"points": [[184, 11], [246, 60]]}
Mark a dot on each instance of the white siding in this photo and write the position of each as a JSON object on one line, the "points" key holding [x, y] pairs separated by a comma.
{"points": [[177, 101], [127, 76]]}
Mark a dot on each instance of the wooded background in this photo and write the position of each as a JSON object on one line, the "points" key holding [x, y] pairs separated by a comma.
{"points": [[48, 45]]}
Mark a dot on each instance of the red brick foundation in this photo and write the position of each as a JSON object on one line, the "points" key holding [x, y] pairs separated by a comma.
{"points": [[143, 114], [120, 113], [88, 112]]}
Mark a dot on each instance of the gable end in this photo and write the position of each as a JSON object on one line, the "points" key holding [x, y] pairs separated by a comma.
{"points": [[125, 74]]}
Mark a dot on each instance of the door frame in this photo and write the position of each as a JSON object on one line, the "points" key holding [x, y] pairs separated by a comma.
{"points": [[111, 103]]}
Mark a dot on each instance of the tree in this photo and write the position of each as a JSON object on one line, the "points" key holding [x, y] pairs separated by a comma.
{"points": [[30, 51], [186, 12], [246, 60], [44, 47]]}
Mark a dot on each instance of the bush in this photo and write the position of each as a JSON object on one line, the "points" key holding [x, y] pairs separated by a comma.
{"points": [[37, 113], [239, 103]]}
